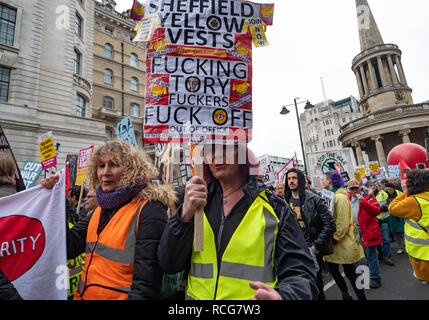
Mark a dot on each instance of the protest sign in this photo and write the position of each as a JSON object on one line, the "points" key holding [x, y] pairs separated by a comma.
{"points": [[47, 151], [30, 173], [360, 173], [281, 175], [345, 176], [33, 242], [199, 69], [82, 164], [266, 170], [125, 131], [394, 171], [5, 147], [374, 168], [329, 196]]}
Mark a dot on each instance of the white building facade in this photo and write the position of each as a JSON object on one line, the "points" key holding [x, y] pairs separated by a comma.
{"points": [[320, 130], [46, 85]]}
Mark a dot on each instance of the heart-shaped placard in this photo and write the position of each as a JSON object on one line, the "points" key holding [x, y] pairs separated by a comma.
{"points": [[22, 241]]}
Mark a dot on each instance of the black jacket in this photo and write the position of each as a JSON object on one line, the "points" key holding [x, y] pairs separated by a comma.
{"points": [[7, 289], [147, 276], [316, 215], [294, 264]]}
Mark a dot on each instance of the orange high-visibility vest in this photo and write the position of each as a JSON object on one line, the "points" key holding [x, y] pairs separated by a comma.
{"points": [[109, 260]]}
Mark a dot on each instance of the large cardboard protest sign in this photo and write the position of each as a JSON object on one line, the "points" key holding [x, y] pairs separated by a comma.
{"points": [[5, 147], [33, 242], [199, 69], [47, 151]]}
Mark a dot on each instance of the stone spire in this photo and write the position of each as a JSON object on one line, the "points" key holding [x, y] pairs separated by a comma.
{"points": [[368, 31]]}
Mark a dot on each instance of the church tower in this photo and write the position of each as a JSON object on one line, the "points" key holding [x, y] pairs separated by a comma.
{"points": [[378, 68]]}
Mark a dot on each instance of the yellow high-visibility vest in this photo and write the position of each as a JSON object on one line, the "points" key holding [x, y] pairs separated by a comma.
{"points": [[248, 257], [416, 238], [381, 199], [75, 267]]}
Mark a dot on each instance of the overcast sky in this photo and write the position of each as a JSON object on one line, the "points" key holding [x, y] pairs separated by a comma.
{"points": [[311, 39]]}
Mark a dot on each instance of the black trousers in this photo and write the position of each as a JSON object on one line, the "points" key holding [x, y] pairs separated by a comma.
{"points": [[319, 280], [350, 272]]}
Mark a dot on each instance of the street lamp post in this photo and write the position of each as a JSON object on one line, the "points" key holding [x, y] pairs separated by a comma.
{"points": [[285, 111]]}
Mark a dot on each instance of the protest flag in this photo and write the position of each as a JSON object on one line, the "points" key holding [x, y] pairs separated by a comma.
{"points": [[67, 182], [404, 169], [33, 242], [137, 10]]}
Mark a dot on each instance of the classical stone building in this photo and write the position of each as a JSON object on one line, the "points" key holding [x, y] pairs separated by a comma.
{"points": [[119, 70], [390, 116], [46, 76]]}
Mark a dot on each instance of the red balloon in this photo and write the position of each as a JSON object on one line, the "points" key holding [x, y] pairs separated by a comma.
{"points": [[411, 153]]}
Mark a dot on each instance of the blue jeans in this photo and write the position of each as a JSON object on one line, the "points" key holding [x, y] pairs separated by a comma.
{"points": [[385, 247], [372, 257]]}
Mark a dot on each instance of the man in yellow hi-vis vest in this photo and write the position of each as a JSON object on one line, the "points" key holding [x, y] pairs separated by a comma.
{"points": [[413, 205], [251, 250]]}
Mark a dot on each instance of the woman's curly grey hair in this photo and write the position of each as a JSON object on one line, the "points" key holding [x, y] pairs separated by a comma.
{"points": [[133, 161]]}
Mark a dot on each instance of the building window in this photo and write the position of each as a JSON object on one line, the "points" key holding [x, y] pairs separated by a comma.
{"points": [[7, 25], [135, 110], [108, 30], [80, 106], [4, 84], [77, 59], [108, 51], [78, 25], [107, 103], [109, 133], [108, 76], [134, 60], [134, 84]]}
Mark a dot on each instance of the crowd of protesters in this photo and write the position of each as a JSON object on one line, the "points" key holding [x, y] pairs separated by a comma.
{"points": [[132, 238]]}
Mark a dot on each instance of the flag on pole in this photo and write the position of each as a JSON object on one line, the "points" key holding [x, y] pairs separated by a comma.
{"points": [[137, 10], [33, 242], [281, 175], [404, 168], [67, 182]]}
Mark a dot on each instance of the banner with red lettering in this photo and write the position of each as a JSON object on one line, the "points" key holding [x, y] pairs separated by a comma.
{"points": [[199, 69], [33, 242]]}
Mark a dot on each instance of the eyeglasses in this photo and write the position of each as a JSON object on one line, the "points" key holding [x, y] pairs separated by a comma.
{"points": [[89, 197]]}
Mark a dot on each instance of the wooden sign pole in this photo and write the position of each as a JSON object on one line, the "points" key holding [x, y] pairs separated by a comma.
{"points": [[199, 215], [80, 196]]}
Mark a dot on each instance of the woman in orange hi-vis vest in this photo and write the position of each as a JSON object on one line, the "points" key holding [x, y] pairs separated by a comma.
{"points": [[121, 237]]}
